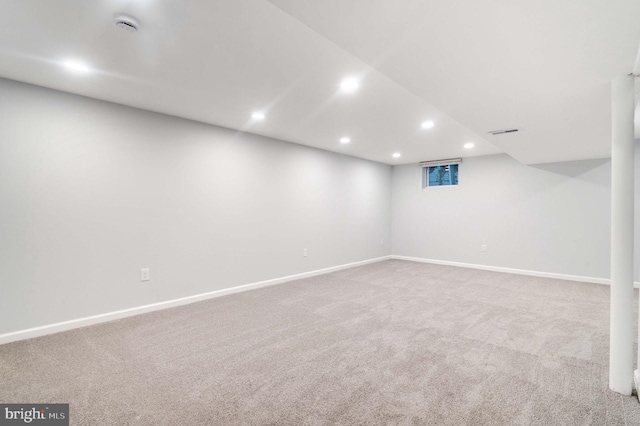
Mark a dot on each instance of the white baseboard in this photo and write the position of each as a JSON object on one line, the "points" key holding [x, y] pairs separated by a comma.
{"points": [[594, 280], [110, 316]]}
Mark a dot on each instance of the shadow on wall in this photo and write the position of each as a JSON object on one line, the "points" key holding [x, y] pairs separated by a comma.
{"points": [[572, 168], [578, 169]]}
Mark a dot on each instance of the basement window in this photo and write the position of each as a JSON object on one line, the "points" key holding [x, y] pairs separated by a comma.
{"points": [[440, 173]]}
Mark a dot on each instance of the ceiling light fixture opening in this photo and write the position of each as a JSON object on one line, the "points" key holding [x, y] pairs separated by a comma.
{"points": [[258, 116], [76, 66], [396, 155], [469, 145], [427, 124], [349, 85], [345, 140]]}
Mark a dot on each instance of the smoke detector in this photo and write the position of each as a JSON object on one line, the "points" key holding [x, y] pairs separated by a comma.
{"points": [[127, 23]]}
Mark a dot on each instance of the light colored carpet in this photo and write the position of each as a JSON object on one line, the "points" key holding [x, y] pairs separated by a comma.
{"points": [[393, 343]]}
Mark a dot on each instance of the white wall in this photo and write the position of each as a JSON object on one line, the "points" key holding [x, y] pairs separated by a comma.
{"points": [[552, 218], [91, 192]]}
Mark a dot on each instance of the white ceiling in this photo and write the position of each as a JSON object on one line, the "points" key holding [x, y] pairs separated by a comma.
{"points": [[543, 66]]}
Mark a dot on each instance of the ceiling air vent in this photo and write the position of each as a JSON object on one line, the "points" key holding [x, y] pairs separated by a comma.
{"points": [[502, 132]]}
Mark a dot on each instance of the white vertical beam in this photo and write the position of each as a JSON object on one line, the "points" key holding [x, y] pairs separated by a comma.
{"points": [[622, 193], [636, 72]]}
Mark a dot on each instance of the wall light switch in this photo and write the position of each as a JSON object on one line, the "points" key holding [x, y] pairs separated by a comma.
{"points": [[484, 247], [144, 274], [304, 252]]}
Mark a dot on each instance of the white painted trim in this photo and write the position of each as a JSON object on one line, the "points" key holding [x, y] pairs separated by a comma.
{"points": [[605, 281], [110, 316], [636, 381]]}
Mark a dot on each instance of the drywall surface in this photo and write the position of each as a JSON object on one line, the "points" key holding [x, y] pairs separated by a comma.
{"points": [[91, 192], [552, 218]]}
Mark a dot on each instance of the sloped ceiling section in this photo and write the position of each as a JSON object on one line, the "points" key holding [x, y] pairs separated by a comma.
{"points": [[471, 67], [218, 62], [544, 66]]}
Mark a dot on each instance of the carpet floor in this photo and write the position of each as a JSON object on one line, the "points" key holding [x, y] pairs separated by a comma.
{"points": [[390, 343]]}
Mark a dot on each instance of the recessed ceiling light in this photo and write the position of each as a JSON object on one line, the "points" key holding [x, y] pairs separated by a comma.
{"points": [[257, 116], [469, 145], [396, 155], [349, 85], [428, 124], [76, 66], [345, 140]]}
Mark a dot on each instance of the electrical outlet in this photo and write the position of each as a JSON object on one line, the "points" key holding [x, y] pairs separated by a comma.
{"points": [[483, 247], [304, 253], [144, 274]]}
